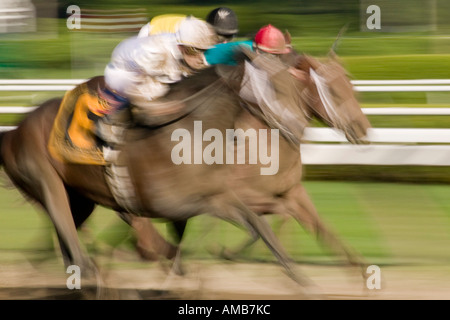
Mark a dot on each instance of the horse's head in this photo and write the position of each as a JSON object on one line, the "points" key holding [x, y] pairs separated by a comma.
{"points": [[284, 102], [331, 98], [272, 95]]}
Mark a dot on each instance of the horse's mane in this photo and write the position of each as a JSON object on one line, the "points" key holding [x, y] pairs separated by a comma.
{"points": [[197, 91], [230, 75]]}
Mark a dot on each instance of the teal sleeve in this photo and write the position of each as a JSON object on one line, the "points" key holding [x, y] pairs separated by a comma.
{"points": [[224, 53]]}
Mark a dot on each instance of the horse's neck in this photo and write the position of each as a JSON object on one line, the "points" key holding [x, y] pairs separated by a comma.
{"points": [[245, 120]]}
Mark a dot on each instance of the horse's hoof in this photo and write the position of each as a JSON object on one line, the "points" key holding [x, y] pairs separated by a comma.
{"points": [[146, 254], [228, 255], [178, 270], [222, 253]]}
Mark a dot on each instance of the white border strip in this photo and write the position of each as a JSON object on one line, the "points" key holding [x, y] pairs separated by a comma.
{"points": [[382, 135], [401, 88], [401, 82], [316, 154], [42, 81], [406, 111], [14, 109], [35, 88]]}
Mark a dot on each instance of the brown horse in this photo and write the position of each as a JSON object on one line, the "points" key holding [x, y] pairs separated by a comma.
{"points": [[68, 192], [328, 95]]}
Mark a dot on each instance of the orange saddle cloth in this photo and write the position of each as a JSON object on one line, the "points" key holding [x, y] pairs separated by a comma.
{"points": [[73, 138]]}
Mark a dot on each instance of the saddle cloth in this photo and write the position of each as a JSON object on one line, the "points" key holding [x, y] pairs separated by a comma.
{"points": [[73, 138]]}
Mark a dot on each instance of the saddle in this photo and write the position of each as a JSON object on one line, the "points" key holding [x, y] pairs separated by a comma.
{"points": [[75, 136]]}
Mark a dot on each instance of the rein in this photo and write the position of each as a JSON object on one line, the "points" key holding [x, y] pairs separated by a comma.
{"points": [[326, 99], [211, 89], [324, 95], [266, 89]]}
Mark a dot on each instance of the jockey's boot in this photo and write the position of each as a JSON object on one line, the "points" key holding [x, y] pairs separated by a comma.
{"points": [[111, 100], [110, 128]]}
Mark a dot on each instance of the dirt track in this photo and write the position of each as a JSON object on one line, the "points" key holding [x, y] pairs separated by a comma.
{"points": [[214, 280]]}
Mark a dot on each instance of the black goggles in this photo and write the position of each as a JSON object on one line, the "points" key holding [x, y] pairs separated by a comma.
{"points": [[225, 37]]}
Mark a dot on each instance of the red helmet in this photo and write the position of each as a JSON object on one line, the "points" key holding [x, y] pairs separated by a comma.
{"points": [[272, 40]]}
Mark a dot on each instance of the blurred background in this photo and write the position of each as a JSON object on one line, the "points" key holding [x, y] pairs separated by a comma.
{"points": [[390, 213]]}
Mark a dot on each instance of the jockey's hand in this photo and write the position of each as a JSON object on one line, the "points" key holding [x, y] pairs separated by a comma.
{"points": [[298, 74]]}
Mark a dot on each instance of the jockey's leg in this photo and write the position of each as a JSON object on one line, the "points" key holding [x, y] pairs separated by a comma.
{"points": [[113, 106], [112, 100]]}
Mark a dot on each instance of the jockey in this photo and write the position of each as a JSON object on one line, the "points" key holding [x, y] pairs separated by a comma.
{"points": [[143, 68], [222, 19], [268, 40], [271, 40], [225, 22]]}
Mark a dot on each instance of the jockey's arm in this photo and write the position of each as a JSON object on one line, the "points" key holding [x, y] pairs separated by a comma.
{"points": [[225, 53]]}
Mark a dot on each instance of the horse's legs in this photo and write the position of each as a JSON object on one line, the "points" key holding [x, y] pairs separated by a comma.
{"points": [[231, 254], [150, 244], [298, 204], [55, 200], [259, 226], [80, 206], [179, 228]]}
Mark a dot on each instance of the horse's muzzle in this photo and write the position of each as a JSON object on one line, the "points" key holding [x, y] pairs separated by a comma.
{"points": [[357, 134]]}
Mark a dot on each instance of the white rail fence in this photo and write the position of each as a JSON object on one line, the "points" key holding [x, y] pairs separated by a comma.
{"points": [[108, 21], [398, 146], [17, 19]]}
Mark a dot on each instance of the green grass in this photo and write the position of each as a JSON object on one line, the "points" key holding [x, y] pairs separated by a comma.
{"points": [[402, 66], [386, 222], [22, 226]]}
